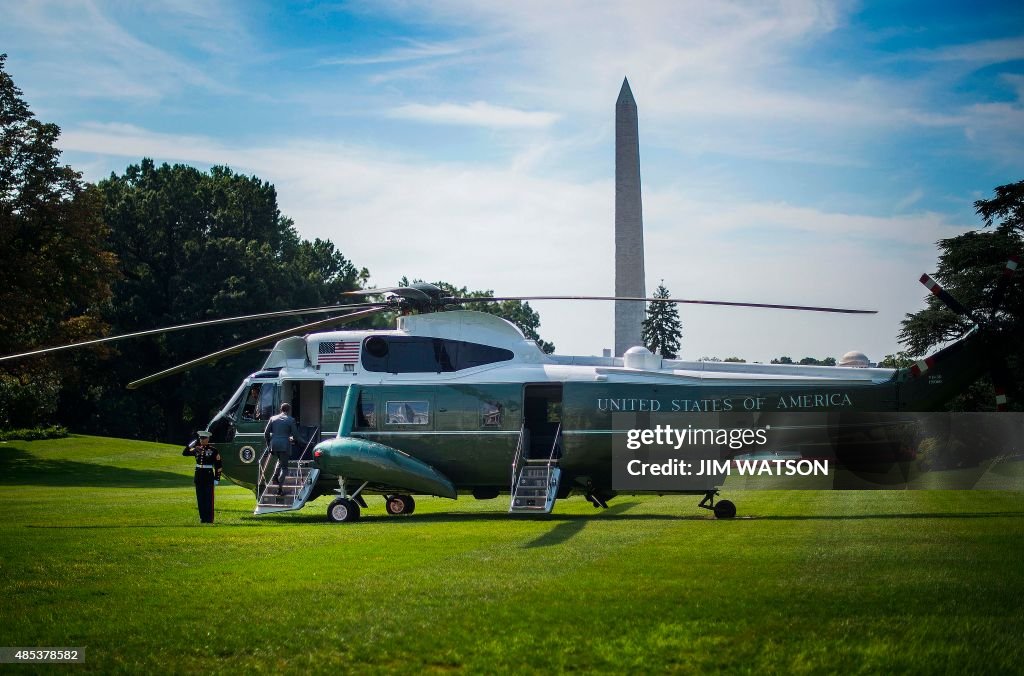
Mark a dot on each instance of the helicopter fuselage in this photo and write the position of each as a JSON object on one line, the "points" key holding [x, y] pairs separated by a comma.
{"points": [[463, 391]]}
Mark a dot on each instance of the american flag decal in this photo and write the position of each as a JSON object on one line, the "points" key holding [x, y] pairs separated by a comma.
{"points": [[338, 353]]}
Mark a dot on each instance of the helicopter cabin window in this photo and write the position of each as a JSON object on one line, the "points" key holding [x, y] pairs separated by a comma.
{"points": [[413, 354], [491, 414], [408, 413], [334, 397], [366, 414], [258, 402]]}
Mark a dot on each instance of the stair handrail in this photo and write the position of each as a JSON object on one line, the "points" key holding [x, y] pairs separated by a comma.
{"points": [[261, 482], [301, 473], [551, 458], [515, 462], [298, 467], [554, 445], [312, 438]]}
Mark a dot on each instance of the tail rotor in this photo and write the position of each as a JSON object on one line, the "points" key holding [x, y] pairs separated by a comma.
{"points": [[1002, 379]]}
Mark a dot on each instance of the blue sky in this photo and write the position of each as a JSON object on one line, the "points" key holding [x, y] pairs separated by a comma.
{"points": [[793, 152]]}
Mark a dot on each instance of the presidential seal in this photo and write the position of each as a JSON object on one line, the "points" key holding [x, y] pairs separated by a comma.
{"points": [[247, 454]]}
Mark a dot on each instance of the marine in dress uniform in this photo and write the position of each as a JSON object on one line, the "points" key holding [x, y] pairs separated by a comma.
{"points": [[280, 431], [208, 471]]}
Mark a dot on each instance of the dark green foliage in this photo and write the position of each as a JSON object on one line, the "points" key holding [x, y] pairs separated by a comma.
{"points": [[34, 433], [199, 245], [969, 267], [900, 360], [806, 361], [55, 269], [515, 311], [811, 361], [662, 330]]}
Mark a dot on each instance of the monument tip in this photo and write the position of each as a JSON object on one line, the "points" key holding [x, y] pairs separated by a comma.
{"points": [[625, 94]]}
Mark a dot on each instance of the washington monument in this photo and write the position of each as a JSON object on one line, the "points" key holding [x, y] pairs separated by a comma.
{"points": [[629, 224]]}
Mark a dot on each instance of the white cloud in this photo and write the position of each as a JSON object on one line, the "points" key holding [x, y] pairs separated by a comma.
{"points": [[414, 51], [87, 52], [909, 200], [478, 114], [977, 54], [722, 70]]}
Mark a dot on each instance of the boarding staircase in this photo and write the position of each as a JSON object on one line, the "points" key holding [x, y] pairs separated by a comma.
{"points": [[296, 487], [535, 480]]}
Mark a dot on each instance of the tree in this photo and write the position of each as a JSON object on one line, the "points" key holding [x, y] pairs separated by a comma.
{"points": [[662, 330], [199, 245], [55, 269], [811, 361], [969, 266], [515, 311], [806, 361], [900, 360], [735, 360]]}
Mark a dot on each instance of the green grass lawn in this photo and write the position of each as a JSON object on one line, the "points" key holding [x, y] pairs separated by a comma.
{"points": [[101, 547]]}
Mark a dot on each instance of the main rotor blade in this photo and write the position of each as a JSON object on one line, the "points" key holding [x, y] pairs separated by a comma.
{"points": [[408, 292], [1004, 281], [1002, 381], [460, 301], [193, 325], [256, 342], [374, 292], [946, 297]]}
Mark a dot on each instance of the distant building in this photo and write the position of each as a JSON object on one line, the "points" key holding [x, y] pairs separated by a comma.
{"points": [[857, 360]]}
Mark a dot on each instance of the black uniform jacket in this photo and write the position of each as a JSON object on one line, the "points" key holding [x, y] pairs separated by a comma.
{"points": [[205, 456]]}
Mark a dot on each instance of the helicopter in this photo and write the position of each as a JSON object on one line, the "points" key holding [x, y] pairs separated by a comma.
{"points": [[454, 402]]}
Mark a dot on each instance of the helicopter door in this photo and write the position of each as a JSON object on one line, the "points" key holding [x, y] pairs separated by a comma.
{"points": [[306, 398], [542, 415]]}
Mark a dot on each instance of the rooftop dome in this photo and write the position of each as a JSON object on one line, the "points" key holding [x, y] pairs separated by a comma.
{"points": [[855, 360]]}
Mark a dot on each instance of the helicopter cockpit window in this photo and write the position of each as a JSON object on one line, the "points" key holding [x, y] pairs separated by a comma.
{"points": [[412, 354], [258, 402], [408, 413], [251, 407]]}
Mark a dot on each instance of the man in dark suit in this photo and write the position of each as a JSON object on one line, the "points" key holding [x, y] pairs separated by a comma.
{"points": [[280, 432]]}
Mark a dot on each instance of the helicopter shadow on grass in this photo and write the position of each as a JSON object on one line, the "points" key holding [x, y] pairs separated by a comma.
{"points": [[21, 468], [568, 529]]}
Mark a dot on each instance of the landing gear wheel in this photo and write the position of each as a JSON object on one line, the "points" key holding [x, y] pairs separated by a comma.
{"points": [[400, 504], [395, 505], [724, 509], [342, 510]]}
